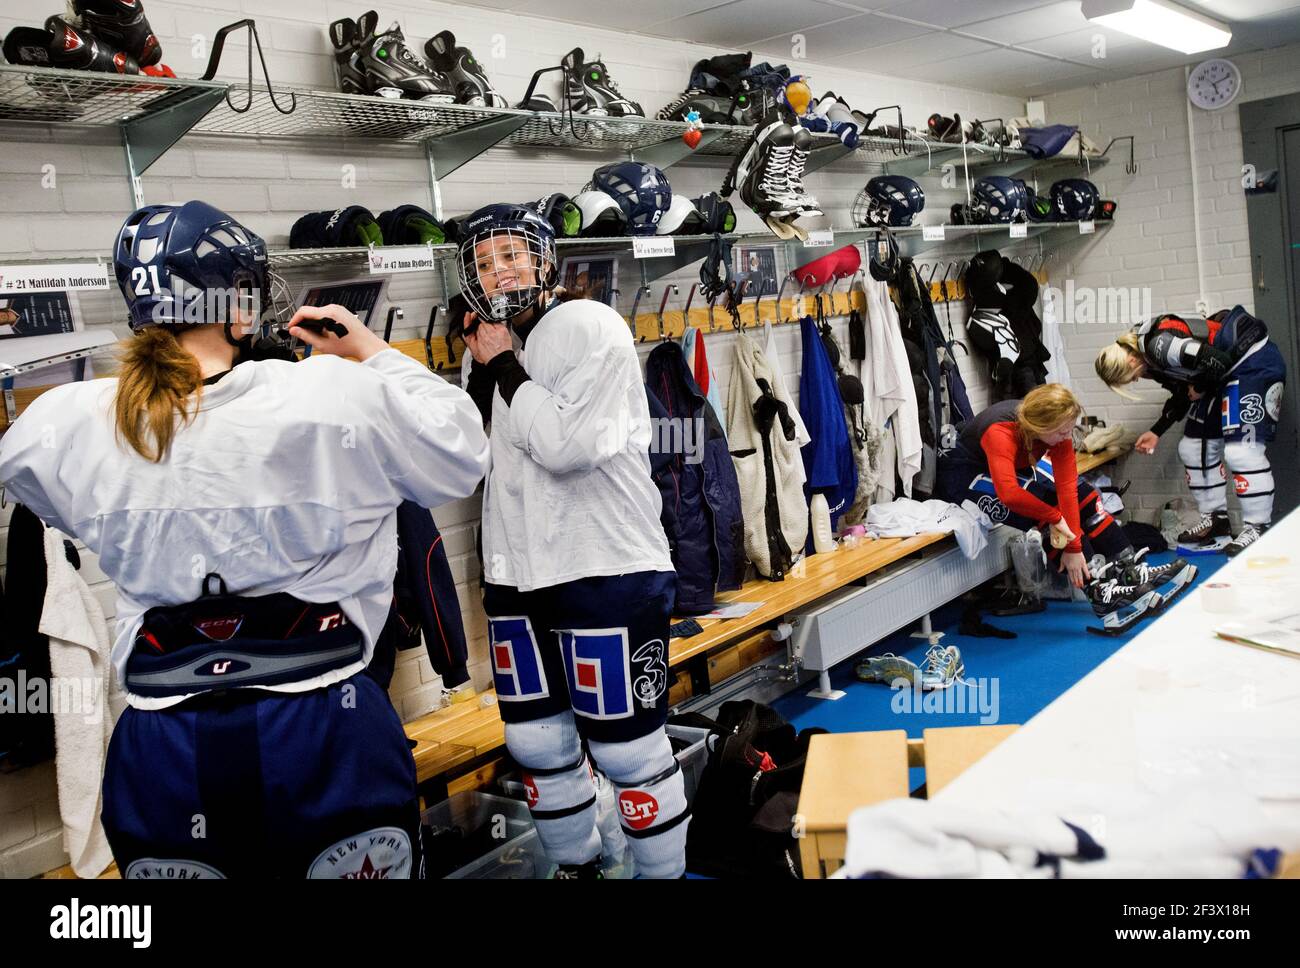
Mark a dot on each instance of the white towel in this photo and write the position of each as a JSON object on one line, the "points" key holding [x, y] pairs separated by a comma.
{"points": [[905, 517], [79, 653]]}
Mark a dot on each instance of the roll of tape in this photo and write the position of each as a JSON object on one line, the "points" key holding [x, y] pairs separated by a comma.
{"points": [[1265, 562], [1218, 596]]}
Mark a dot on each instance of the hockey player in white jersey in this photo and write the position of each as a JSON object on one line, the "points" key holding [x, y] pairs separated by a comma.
{"points": [[578, 581], [246, 511]]}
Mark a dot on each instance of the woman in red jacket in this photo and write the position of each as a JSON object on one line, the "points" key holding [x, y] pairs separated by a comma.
{"points": [[1014, 464]]}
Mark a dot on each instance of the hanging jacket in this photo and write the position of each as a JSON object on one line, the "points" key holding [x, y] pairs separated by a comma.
{"points": [[1003, 325], [763, 433], [24, 652], [864, 440], [773, 355], [828, 460], [699, 487], [424, 601]]}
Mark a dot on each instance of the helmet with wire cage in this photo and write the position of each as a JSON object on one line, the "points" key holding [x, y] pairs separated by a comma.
{"points": [[493, 240]]}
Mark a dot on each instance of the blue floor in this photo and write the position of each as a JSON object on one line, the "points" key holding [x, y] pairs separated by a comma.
{"points": [[1010, 680]]}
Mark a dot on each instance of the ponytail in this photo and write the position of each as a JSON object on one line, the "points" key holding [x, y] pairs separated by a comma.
{"points": [[156, 383]]}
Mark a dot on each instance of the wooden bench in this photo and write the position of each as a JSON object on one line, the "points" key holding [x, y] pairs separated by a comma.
{"points": [[846, 771], [468, 732]]}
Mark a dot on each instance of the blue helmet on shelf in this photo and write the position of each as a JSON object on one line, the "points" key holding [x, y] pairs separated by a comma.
{"points": [[1075, 199], [641, 191], [506, 260], [888, 200], [189, 264], [997, 198]]}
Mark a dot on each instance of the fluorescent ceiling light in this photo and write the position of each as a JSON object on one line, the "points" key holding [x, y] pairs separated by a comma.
{"points": [[1160, 22]]}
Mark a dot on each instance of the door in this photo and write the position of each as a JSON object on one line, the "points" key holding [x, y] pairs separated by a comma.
{"points": [[1270, 135]]}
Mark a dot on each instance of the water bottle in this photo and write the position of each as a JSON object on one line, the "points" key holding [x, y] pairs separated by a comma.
{"points": [[823, 537]]}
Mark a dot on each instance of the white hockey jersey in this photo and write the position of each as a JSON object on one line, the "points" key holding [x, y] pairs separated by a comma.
{"points": [[569, 494], [287, 480]]}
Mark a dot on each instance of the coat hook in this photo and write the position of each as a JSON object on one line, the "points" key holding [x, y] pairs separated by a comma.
{"points": [[636, 302], [779, 293], [670, 288], [686, 313]]}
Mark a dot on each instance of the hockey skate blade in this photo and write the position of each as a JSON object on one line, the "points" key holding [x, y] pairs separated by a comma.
{"points": [[1175, 587], [1214, 547], [780, 229], [1121, 620]]}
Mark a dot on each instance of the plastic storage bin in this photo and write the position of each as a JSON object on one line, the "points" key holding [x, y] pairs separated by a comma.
{"points": [[503, 828]]}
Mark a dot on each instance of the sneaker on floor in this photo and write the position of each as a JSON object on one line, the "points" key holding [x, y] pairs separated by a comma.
{"points": [[886, 668], [1248, 535], [943, 667]]}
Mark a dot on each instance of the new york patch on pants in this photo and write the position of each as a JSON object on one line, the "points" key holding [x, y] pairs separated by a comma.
{"points": [[381, 854]]}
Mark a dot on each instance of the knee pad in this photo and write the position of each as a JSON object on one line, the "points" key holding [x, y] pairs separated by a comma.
{"points": [[1203, 461], [651, 800], [560, 788], [1252, 479]]}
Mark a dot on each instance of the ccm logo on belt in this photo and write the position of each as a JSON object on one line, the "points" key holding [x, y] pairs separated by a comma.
{"points": [[223, 667]]}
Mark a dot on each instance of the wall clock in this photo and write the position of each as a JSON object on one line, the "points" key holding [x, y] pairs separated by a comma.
{"points": [[1213, 84]]}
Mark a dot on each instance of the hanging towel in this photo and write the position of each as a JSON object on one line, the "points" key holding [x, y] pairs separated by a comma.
{"points": [[828, 460], [1058, 368], [887, 379], [79, 654]]}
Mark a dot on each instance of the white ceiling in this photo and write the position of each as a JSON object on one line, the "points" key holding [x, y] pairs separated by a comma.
{"points": [[1016, 47]]}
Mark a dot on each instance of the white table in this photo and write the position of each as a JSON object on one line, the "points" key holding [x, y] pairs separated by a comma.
{"points": [[1174, 707]]}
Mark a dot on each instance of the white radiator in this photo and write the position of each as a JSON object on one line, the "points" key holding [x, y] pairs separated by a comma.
{"points": [[855, 618]]}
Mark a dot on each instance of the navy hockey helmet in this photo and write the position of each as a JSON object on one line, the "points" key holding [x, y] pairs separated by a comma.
{"points": [[641, 191], [891, 200], [515, 246], [997, 198], [1075, 199], [186, 264]]}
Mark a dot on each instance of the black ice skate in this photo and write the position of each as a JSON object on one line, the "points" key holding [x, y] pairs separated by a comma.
{"points": [[391, 70], [1170, 580], [1209, 536], [1120, 606], [468, 78], [591, 91]]}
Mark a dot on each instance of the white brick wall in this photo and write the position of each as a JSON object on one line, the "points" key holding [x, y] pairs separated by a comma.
{"points": [[1153, 241]]}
